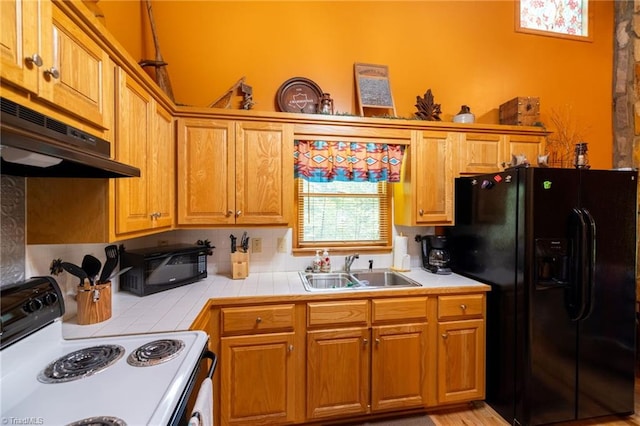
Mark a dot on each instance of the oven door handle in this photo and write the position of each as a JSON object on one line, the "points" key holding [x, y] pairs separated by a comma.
{"points": [[214, 362]]}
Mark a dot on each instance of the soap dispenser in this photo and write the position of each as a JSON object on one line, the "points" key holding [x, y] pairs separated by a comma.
{"points": [[317, 262], [326, 262]]}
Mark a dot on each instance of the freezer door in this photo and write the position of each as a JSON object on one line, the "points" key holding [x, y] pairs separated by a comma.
{"points": [[606, 340], [484, 246], [550, 340]]}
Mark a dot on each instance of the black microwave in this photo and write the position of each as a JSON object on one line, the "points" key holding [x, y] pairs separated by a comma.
{"points": [[155, 269]]}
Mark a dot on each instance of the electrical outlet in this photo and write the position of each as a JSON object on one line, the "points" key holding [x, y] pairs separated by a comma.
{"points": [[281, 245], [256, 245]]}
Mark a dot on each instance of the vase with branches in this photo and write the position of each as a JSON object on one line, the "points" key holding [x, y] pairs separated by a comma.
{"points": [[566, 134]]}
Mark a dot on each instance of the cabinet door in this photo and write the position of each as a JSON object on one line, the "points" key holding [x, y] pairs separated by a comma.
{"points": [[134, 109], [81, 65], [264, 173], [529, 146], [257, 379], [161, 169], [337, 372], [480, 153], [399, 375], [461, 364], [206, 172], [21, 38], [433, 173]]}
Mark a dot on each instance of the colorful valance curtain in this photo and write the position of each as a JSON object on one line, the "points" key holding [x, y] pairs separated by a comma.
{"points": [[326, 161]]}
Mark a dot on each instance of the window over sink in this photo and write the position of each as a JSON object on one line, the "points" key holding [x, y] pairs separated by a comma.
{"points": [[342, 215]]}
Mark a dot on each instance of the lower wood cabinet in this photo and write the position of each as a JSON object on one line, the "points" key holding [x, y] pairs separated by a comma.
{"points": [[461, 348], [257, 379], [314, 361]]}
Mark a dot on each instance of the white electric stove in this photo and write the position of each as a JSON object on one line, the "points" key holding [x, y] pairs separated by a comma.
{"points": [[143, 379]]}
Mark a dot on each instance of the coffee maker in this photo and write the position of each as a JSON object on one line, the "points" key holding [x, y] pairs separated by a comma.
{"points": [[435, 254]]}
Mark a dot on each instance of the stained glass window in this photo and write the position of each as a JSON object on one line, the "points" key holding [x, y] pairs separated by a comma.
{"points": [[564, 18]]}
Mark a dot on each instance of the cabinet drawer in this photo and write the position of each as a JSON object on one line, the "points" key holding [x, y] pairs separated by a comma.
{"points": [[257, 319], [354, 312], [458, 307], [406, 308]]}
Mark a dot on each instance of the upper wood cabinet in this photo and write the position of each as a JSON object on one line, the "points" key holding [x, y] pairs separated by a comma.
{"points": [[145, 140], [234, 172], [425, 195], [480, 152], [48, 55]]}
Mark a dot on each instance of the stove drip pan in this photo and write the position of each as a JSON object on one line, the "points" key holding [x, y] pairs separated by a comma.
{"points": [[81, 363], [99, 421], [156, 352]]}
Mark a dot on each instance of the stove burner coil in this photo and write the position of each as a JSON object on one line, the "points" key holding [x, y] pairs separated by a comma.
{"points": [[99, 421], [156, 352], [81, 363]]}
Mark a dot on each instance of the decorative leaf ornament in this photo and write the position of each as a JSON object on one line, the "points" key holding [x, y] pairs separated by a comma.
{"points": [[427, 109]]}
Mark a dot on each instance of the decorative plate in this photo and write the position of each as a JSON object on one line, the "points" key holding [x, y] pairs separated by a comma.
{"points": [[299, 94]]}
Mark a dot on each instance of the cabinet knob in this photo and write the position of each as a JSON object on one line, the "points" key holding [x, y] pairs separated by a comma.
{"points": [[445, 335], [34, 59], [229, 213], [258, 320], [52, 72], [155, 215], [365, 342], [377, 341], [463, 307], [290, 348], [421, 212], [238, 213]]}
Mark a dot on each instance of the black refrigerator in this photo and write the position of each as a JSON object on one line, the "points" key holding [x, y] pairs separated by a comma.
{"points": [[558, 247]]}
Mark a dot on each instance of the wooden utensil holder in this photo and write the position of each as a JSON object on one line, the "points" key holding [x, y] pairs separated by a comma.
{"points": [[239, 265], [94, 303]]}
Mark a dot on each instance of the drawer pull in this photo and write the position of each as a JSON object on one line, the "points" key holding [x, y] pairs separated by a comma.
{"points": [[463, 307], [258, 320]]}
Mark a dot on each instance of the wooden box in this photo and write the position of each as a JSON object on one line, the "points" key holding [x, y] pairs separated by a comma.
{"points": [[521, 111], [94, 303]]}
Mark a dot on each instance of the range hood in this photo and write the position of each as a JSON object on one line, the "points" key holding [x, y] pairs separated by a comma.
{"points": [[34, 145]]}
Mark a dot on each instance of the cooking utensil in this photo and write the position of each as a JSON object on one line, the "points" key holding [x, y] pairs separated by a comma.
{"points": [[115, 274], [75, 270], [110, 264], [233, 243], [244, 242], [91, 265]]}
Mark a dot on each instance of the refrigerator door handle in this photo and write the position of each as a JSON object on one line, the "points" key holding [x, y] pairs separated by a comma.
{"points": [[577, 290], [589, 262]]}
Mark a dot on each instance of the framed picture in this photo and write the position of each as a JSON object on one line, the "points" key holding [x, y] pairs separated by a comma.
{"points": [[572, 19], [373, 87]]}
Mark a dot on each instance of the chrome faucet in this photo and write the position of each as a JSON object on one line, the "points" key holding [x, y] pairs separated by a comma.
{"points": [[348, 261]]}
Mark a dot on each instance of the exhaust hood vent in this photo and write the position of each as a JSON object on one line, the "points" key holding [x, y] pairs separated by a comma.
{"points": [[35, 145]]}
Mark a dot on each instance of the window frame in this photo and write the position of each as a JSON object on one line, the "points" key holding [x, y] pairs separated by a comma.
{"points": [[533, 31], [338, 247]]}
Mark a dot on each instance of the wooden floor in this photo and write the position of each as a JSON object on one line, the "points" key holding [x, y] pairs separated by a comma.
{"points": [[482, 414]]}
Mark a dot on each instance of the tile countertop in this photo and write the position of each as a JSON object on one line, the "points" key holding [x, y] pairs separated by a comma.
{"points": [[176, 309]]}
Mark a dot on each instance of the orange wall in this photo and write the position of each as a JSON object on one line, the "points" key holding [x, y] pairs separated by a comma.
{"points": [[466, 52]]}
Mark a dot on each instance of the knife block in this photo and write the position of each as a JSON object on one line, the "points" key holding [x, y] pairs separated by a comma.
{"points": [[239, 265], [94, 303]]}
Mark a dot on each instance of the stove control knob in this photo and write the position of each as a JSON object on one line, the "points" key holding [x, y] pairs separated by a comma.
{"points": [[49, 299], [33, 305]]}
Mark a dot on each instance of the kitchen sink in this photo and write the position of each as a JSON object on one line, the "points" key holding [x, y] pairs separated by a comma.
{"points": [[356, 280], [383, 278]]}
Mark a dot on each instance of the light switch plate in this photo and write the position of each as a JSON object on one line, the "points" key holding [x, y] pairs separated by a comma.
{"points": [[256, 245]]}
